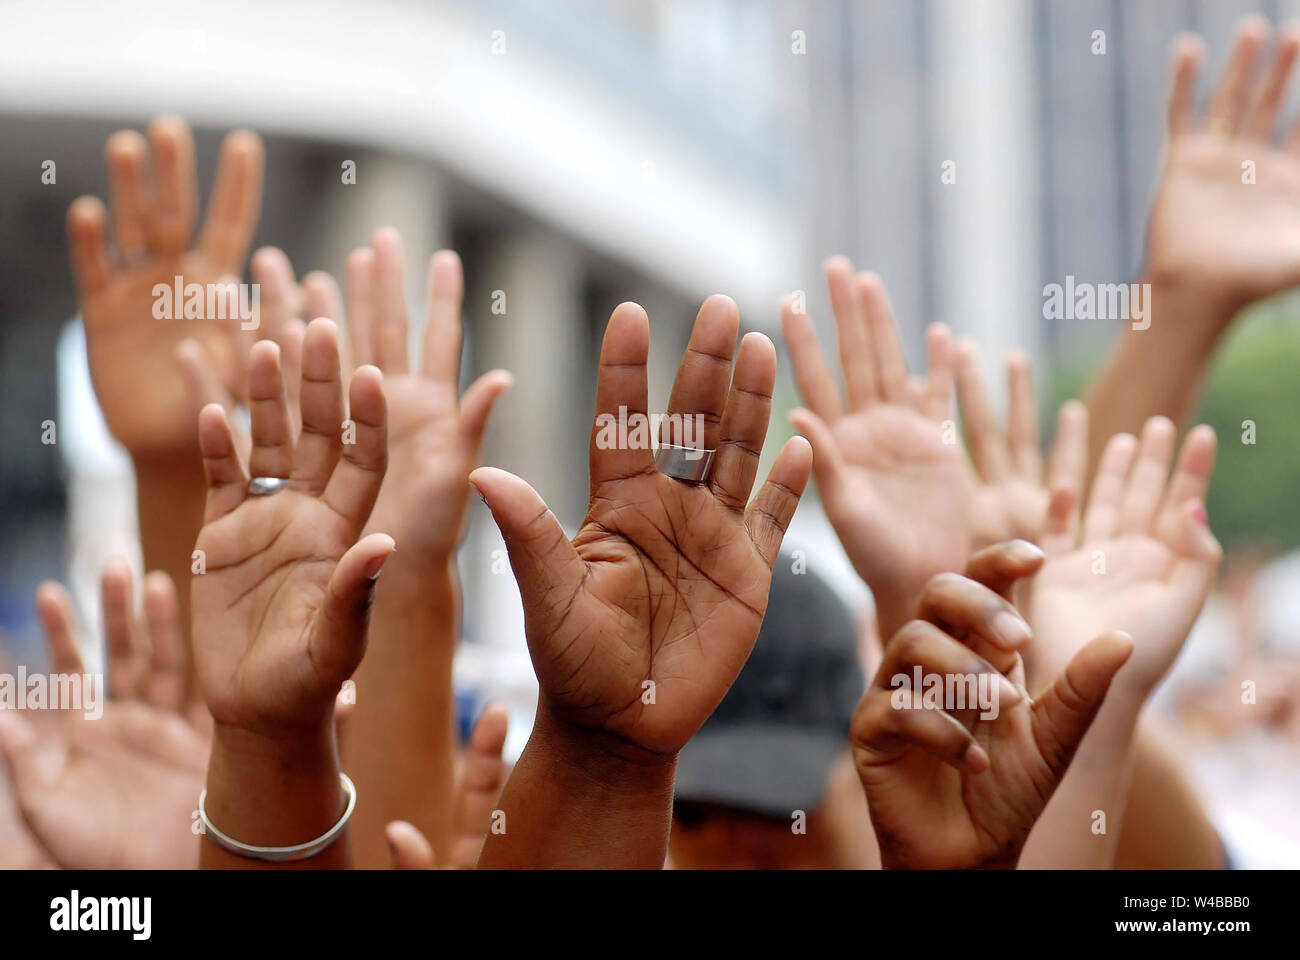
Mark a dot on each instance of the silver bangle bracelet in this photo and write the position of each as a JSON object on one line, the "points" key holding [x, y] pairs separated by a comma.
{"points": [[299, 851]]}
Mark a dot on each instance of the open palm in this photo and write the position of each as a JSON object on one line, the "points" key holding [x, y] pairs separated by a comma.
{"points": [[115, 791], [638, 626], [434, 434], [132, 353], [1143, 563], [1227, 213], [890, 468], [284, 583]]}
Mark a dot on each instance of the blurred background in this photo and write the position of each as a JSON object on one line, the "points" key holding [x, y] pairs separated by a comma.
{"points": [[583, 152]]}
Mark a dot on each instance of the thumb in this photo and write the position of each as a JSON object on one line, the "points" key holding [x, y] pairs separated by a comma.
{"points": [[18, 748], [828, 465], [1064, 713], [482, 778], [541, 555], [477, 403], [408, 847], [338, 636]]}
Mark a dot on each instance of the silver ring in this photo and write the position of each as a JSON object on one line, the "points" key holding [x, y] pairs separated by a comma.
{"points": [[265, 486], [690, 464]]}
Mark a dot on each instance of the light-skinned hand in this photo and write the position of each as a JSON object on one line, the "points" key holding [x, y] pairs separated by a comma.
{"points": [[131, 353], [116, 791]]}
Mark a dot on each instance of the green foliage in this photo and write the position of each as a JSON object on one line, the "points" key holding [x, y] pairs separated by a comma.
{"points": [[1253, 493], [1254, 378]]}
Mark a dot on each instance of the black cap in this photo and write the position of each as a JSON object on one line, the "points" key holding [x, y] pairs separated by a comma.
{"points": [[770, 745]]}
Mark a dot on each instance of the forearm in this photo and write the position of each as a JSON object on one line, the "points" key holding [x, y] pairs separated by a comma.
{"points": [[1157, 370], [274, 792], [1080, 827], [169, 504], [1165, 825], [575, 802], [400, 739]]}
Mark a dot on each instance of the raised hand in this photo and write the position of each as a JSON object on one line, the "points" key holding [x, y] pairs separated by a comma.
{"points": [[483, 773], [666, 581], [956, 785], [1011, 486], [1143, 560], [638, 626], [280, 611], [132, 353], [118, 790], [434, 433], [1216, 230], [890, 467]]}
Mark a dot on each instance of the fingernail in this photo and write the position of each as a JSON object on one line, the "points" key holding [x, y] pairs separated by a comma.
{"points": [[975, 759], [1024, 550], [1201, 516], [375, 565], [1010, 629], [1008, 692]]}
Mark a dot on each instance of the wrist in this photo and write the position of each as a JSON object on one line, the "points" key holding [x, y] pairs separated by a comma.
{"points": [[274, 789], [596, 759], [1183, 305]]}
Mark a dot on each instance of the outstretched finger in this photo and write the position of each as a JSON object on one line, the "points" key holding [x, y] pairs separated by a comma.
{"points": [[321, 405], [126, 663], [165, 685], [236, 201], [771, 511], [175, 195], [812, 373], [354, 484], [891, 363], [227, 481], [442, 331], [481, 781], [389, 292], [1146, 481], [621, 398], [700, 389], [857, 359], [268, 409], [1101, 519], [936, 395], [1268, 104], [89, 246], [360, 305], [1228, 102], [1022, 419], [408, 847], [744, 422], [987, 446], [1189, 51], [59, 620], [126, 155]]}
